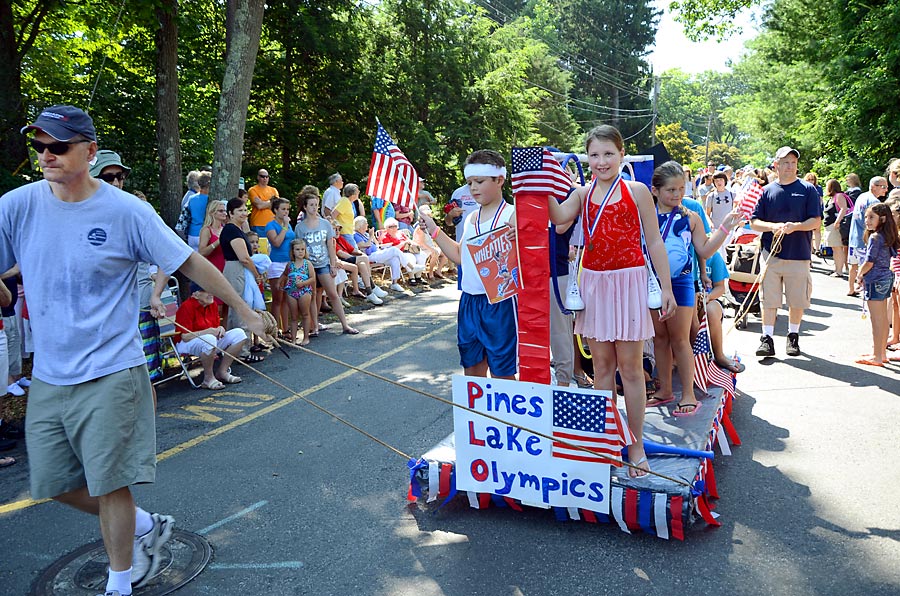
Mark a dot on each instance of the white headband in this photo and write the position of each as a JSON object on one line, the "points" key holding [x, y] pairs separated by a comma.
{"points": [[483, 169]]}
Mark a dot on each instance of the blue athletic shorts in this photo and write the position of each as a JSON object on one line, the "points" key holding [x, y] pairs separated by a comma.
{"points": [[487, 330], [683, 289], [879, 289]]}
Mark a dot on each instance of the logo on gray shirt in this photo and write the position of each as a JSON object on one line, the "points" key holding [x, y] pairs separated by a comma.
{"points": [[97, 236]]}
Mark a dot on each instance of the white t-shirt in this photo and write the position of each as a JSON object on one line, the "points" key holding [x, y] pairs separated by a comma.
{"points": [[79, 264], [330, 199], [471, 281], [463, 196]]}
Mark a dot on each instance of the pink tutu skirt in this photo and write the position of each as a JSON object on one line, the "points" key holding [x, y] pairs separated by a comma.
{"points": [[615, 305]]}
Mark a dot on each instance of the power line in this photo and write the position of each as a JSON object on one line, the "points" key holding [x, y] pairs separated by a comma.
{"points": [[641, 130], [597, 71], [593, 105]]}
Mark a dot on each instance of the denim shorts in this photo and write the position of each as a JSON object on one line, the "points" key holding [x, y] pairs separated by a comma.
{"points": [[320, 271], [879, 289]]}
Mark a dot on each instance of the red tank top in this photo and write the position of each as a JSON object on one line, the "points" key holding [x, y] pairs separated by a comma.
{"points": [[216, 257], [616, 241]]}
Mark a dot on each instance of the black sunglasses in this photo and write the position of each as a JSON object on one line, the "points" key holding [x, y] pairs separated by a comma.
{"points": [[120, 176], [57, 148]]}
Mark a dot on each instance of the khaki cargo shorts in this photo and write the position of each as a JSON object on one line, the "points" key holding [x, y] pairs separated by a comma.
{"points": [[789, 278], [100, 434]]}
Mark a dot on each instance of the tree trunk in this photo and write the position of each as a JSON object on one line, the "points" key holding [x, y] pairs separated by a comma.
{"points": [[16, 38], [232, 117], [168, 138]]}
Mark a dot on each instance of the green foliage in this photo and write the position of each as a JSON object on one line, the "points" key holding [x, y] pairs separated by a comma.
{"points": [[704, 19], [677, 142], [720, 153]]}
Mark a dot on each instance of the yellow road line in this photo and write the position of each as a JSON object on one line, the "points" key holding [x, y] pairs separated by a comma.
{"points": [[182, 447]]}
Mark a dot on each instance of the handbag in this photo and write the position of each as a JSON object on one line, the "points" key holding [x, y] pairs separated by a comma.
{"points": [[844, 225], [184, 222]]}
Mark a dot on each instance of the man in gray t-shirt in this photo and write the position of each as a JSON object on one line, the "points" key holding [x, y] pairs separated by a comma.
{"points": [[90, 420]]}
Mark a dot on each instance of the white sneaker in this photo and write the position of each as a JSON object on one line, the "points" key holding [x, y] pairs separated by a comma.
{"points": [[379, 292], [24, 382], [573, 299], [374, 299], [397, 287], [15, 390], [145, 560]]}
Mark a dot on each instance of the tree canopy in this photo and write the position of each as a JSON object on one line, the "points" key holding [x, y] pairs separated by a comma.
{"points": [[445, 77]]}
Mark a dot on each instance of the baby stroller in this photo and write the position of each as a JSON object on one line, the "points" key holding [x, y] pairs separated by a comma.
{"points": [[742, 258]]}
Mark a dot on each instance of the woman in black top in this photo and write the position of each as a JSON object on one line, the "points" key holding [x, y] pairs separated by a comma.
{"points": [[236, 250]]}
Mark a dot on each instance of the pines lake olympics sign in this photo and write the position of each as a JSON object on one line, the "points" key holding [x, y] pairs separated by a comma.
{"points": [[503, 459]]}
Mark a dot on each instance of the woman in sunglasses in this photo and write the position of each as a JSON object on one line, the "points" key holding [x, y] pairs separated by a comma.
{"points": [[109, 168]]}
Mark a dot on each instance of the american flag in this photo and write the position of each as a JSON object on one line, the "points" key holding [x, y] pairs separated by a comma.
{"points": [[590, 421], [749, 196], [701, 356], [717, 377], [391, 176], [534, 169]]}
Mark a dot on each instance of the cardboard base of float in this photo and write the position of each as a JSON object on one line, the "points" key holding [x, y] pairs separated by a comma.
{"points": [[650, 504]]}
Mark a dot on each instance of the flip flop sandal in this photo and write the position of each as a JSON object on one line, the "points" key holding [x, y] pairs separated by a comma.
{"points": [[213, 385], [230, 380], [868, 362], [635, 472], [660, 401], [682, 414], [254, 358], [350, 331], [583, 382], [735, 367], [5, 462]]}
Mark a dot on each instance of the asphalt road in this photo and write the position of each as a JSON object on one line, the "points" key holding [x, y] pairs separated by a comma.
{"points": [[294, 502]]}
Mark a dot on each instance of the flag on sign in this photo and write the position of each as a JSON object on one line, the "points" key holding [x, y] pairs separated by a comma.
{"points": [[590, 421], [701, 356], [534, 169], [749, 196], [391, 177]]}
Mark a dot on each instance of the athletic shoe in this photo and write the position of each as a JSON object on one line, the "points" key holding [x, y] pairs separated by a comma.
{"points": [[374, 299], [793, 344], [15, 390], [10, 430], [397, 287], [379, 292], [766, 346], [145, 560], [24, 382]]}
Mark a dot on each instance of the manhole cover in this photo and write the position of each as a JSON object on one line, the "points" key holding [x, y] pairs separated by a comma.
{"points": [[83, 572]]}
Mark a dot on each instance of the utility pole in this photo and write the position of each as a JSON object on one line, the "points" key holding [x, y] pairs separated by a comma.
{"points": [[655, 104], [708, 126]]}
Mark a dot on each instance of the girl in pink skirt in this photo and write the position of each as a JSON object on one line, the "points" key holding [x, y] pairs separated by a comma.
{"points": [[616, 320]]}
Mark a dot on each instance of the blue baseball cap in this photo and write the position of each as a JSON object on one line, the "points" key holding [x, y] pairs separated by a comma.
{"points": [[64, 123]]}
